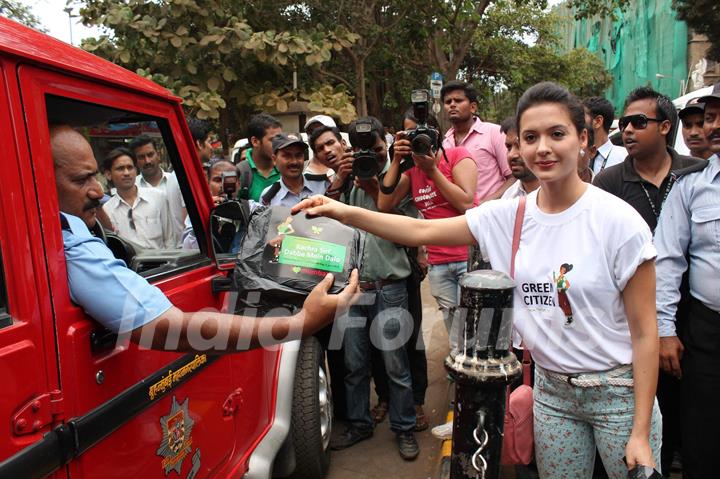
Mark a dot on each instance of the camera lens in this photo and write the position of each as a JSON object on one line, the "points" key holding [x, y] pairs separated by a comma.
{"points": [[365, 165], [422, 145]]}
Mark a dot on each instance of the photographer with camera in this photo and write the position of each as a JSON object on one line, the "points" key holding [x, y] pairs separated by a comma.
{"points": [[442, 185], [223, 183], [384, 308]]}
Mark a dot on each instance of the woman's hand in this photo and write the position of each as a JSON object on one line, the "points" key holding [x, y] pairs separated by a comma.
{"points": [[401, 147], [639, 452], [426, 163], [319, 205]]}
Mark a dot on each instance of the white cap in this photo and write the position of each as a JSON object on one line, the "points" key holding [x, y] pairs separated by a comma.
{"points": [[323, 119]]}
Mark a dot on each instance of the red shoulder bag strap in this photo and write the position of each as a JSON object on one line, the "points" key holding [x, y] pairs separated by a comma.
{"points": [[519, 217]]}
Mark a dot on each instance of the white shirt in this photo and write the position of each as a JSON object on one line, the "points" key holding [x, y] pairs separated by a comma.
{"points": [[605, 240], [149, 216], [176, 204], [516, 190], [607, 156]]}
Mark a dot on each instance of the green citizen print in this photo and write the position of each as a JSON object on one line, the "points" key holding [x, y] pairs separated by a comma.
{"points": [[312, 253]]}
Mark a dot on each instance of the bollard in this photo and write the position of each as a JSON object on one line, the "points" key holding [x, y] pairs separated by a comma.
{"points": [[482, 366]]}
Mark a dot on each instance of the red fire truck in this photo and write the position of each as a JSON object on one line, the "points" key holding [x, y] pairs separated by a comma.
{"points": [[77, 403]]}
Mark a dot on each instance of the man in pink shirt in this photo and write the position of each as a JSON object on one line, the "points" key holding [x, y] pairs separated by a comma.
{"points": [[483, 140]]}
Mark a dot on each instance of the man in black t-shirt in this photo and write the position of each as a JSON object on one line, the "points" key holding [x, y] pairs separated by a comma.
{"points": [[646, 176]]}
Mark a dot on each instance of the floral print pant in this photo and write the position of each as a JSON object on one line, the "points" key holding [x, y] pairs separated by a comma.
{"points": [[570, 421]]}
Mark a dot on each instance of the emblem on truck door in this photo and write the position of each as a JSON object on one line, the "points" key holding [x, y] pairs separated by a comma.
{"points": [[177, 436]]}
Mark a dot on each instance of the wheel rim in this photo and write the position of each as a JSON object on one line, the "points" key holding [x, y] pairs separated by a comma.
{"points": [[325, 402]]}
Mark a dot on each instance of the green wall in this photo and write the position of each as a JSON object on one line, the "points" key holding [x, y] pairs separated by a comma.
{"points": [[644, 40]]}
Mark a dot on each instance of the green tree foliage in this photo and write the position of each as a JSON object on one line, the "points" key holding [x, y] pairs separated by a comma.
{"points": [[703, 16], [209, 54], [517, 46], [589, 8], [227, 59], [15, 10]]}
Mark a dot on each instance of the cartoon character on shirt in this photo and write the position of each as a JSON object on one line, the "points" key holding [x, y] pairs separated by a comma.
{"points": [[562, 284]]}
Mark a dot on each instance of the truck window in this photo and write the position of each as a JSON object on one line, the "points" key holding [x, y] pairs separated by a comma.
{"points": [[147, 198], [5, 318]]}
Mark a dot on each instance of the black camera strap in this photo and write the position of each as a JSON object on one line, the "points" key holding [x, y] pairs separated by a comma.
{"points": [[387, 190]]}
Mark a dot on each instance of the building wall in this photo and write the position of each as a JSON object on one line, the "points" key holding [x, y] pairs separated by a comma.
{"points": [[639, 43]]}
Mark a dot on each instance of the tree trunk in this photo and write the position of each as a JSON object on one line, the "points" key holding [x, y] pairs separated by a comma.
{"points": [[224, 130], [361, 98]]}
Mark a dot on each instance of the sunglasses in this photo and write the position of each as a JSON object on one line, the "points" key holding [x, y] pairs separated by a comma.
{"points": [[130, 219], [639, 122]]}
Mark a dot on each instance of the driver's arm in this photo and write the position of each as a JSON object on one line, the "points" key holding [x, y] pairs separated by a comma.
{"points": [[125, 303], [176, 330]]}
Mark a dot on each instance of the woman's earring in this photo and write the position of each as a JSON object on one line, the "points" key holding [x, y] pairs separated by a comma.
{"points": [[582, 151]]}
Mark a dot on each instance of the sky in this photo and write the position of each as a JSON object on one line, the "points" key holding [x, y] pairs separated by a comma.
{"points": [[55, 20]]}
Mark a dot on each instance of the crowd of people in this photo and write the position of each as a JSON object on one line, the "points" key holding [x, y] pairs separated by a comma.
{"points": [[610, 235]]}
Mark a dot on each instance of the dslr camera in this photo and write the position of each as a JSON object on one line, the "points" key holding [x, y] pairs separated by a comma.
{"points": [[365, 161], [229, 184], [424, 139]]}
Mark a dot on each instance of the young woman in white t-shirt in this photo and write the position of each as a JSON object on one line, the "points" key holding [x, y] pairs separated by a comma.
{"points": [[591, 327]]}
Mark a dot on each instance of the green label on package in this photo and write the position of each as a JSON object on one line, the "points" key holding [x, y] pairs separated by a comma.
{"points": [[312, 253]]}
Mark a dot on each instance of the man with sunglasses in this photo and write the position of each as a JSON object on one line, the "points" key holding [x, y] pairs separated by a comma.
{"points": [[646, 176], [688, 239]]}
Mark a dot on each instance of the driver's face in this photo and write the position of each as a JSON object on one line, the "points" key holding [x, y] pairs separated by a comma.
{"points": [[76, 170]]}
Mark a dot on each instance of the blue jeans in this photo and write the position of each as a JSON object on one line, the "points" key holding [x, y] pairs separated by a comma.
{"points": [[387, 323], [570, 421], [445, 287]]}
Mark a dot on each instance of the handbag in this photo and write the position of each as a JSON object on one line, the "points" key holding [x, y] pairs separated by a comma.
{"points": [[518, 441]]}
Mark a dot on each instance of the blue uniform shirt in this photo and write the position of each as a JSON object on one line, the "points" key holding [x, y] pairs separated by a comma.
{"points": [[285, 197], [108, 291], [689, 224]]}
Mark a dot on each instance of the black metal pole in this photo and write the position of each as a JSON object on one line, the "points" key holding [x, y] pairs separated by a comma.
{"points": [[482, 366]]}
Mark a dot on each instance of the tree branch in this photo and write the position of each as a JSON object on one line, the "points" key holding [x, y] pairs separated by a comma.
{"points": [[336, 77]]}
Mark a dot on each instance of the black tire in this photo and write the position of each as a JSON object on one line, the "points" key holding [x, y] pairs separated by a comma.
{"points": [[311, 415]]}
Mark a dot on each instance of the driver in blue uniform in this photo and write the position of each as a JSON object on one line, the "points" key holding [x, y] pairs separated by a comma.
{"points": [[134, 305]]}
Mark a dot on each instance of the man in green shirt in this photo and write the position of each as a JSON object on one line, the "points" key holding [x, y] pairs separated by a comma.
{"points": [[259, 166]]}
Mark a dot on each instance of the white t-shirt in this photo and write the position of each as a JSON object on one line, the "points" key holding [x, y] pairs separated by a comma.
{"points": [[575, 323]]}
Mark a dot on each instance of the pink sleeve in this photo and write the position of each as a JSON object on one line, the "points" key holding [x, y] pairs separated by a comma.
{"points": [[501, 153]]}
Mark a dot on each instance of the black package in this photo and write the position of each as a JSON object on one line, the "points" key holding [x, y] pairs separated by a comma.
{"points": [[284, 256]]}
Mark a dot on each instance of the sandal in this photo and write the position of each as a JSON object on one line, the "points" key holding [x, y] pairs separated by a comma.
{"points": [[380, 411], [421, 422]]}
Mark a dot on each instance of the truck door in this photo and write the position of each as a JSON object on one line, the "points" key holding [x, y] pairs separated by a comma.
{"points": [[191, 428], [31, 401]]}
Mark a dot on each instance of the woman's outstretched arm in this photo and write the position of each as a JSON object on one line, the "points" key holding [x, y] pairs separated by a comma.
{"points": [[398, 229]]}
